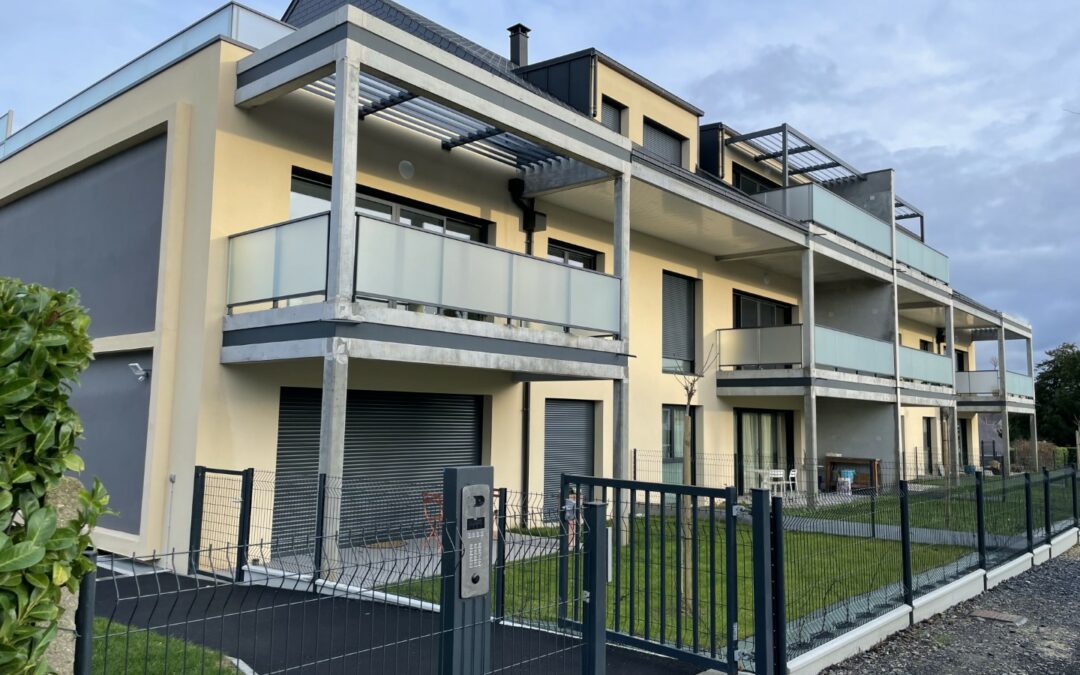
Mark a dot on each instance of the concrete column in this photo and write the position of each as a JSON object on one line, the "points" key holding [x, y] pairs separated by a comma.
{"points": [[621, 388], [341, 246], [954, 439], [806, 310], [335, 387], [954, 419], [810, 449], [1007, 452]]}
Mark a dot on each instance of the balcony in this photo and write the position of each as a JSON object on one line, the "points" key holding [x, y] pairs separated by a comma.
{"points": [[1019, 384], [762, 348], [978, 383], [286, 264], [847, 351], [915, 253], [920, 366], [811, 202]]}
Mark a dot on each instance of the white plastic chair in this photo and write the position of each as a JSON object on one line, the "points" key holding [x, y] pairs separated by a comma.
{"points": [[793, 480], [776, 481]]}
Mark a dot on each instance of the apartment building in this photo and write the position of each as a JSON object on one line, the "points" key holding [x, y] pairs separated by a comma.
{"points": [[357, 243]]}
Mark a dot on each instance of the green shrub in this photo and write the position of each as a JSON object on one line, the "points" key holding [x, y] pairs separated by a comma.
{"points": [[43, 347]]}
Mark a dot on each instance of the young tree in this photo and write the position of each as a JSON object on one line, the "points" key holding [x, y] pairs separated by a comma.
{"points": [[43, 348], [689, 383]]}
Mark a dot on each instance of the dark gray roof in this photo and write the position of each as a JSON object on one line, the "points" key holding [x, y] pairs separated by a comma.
{"points": [[303, 12]]}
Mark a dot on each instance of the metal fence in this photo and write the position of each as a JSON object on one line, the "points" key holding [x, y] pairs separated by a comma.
{"points": [[696, 573]]}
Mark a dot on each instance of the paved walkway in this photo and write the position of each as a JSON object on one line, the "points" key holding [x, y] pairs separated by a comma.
{"points": [[958, 643]]}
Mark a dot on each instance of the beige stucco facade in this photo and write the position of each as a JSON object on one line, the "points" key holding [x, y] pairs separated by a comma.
{"points": [[228, 170]]}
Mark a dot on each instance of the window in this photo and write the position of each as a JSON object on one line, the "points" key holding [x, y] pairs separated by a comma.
{"points": [[611, 114], [928, 445], [749, 181], [311, 195], [674, 439], [574, 256], [752, 311], [926, 346], [961, 361], [679, 345], [663, 142]]}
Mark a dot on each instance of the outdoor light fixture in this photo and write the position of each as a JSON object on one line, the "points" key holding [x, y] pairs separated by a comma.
{"points": [[139, 372]]}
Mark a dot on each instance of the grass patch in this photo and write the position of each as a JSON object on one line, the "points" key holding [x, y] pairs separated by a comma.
{"points": [[821, 570], [119, 648]]}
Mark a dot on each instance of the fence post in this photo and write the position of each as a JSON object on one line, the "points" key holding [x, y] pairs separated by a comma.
{"points": [[762, 560], [84, 620], [731, 570], [779, 598], [980, 519], [243, 537], [195, 539], [1075, 504], [465, 609], [1047, 523], [320, 527], [500, 558], [1027, 514], [905, 544], [594, 595], [564, 548]]}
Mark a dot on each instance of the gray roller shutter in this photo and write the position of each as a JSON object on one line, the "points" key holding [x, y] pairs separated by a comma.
{"points": [[662, 142], [569, 446], [396, 446], [611, 115], [678, 322]]}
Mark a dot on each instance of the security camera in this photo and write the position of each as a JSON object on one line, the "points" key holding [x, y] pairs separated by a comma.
{"points": [[139, 372]]}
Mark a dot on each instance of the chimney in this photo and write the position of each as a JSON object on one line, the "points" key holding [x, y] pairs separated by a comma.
{"points": [[519, 44]]}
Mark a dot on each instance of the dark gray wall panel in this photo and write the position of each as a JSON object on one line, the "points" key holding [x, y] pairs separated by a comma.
{"points": [[97, 231], [115, 410]]}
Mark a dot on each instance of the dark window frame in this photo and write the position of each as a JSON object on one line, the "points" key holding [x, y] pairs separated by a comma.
{"points": [[736, 318], [789, 441], [686, 365], [568, 248], [673, 457], [740, 172], [668, 131], [619, 107]]}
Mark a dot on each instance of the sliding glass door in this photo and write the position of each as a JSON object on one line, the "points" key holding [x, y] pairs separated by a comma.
{"points": [[764, 442]]}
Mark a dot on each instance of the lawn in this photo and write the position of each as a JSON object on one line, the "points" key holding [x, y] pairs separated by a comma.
{"points": [[119, 648], [821, 570]]}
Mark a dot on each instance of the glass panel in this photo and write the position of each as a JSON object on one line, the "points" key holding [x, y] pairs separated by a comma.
{"points": [[460, 230], [853, 352], [476, 278], [1019, 384], [925, 366], [836, 213], [398, 262], [301, 257], [308, 198], [251, 266], [370, 207], [541, 290], [423, 220], [594, 301], [915, 253]]}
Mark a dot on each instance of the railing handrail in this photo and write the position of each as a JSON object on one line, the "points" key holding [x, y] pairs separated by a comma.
{"points": [[847, 332], [644, 486], [1013, 372], [786, 325], [531, 258], [290, 221], [922, 351]]}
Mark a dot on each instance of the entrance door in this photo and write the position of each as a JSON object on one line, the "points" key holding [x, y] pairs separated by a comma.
{"points": [[569, 446], [764, 442]]}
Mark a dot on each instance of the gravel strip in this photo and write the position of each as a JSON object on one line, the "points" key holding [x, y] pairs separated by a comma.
{"points": [[956, 642]]}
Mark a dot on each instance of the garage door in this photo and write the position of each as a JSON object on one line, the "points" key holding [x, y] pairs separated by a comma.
{"points": [[569, 443], [396, 447]]}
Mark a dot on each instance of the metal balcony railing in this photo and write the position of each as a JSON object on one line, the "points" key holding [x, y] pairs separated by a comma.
{"points": [[811, 202], [921, 366], [770, 346], [406, 264], [847, 351], [917, 254]]}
